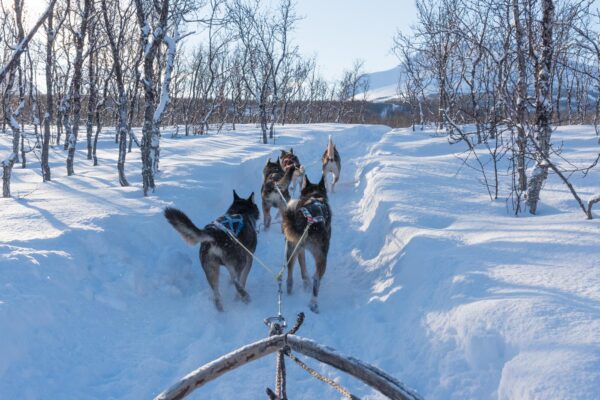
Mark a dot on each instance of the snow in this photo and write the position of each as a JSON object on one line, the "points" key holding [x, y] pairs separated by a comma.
{"points": [[426, 279], [383, 85], [164, 94]]}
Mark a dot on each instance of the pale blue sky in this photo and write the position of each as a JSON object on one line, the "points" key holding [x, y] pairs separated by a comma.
{"points": [[340, 31]]}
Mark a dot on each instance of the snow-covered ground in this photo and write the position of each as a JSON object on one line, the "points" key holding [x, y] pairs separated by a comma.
{"points": [[101, 299]]}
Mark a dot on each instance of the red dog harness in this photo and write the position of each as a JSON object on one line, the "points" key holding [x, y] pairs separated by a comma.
{"points": [[313, 219]]}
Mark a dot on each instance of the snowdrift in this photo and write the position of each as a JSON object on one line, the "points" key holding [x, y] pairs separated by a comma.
{"points": [[428, 280]]}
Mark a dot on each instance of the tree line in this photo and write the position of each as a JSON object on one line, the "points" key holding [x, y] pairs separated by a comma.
{"points": [[192, 64], [499, 75]]}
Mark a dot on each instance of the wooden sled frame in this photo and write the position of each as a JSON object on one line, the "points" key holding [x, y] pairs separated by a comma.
{"points": [[370, 375]]}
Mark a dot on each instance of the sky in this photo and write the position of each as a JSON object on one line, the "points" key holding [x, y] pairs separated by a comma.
{"points": [[341, 31]]}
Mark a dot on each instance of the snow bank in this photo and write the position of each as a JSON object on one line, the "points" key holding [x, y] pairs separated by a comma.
{"points": [[100, 298]]}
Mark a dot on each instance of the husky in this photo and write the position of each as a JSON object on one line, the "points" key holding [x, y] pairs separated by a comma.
{"points": [[217, 246], [288, 158], [274, 178], [311, 211], [332, 163]]}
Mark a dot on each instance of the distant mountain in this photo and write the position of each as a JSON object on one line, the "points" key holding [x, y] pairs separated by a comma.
{"points": [[383, 85]]}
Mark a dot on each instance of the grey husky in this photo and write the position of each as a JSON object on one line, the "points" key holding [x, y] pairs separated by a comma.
{"points": [[310, 212], [332, 163], [217, 246], [276, 184]]}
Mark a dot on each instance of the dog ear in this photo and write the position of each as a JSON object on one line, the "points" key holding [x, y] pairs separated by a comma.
{"points": [[268, 161], [322, 182], [291, 150], [251, 198], [305, 181], [235, 196], [282, 153]]}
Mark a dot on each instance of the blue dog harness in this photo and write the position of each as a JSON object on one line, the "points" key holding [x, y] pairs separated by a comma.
{"points": [[230, 223], [314, 205]]}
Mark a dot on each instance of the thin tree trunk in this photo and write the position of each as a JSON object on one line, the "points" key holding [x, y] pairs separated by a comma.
{"points": [[92, 99], [77, 80], [521, 99], [122, 102], [543, 108]]}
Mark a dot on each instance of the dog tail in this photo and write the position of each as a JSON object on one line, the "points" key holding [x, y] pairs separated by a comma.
{"points": [[186, 228], [330, 148]]}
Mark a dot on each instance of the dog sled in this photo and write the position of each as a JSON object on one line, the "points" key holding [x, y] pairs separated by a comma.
{"points": [[312, 210], [285, 344]]}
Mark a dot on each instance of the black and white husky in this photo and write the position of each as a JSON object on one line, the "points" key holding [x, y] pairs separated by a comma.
{"points": [[332, 163], [217, 246], [311, 211], [275, 188]]}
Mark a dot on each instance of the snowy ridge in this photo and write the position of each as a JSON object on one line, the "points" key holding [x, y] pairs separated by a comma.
{"points": [[383, 85], [100, 298], [485, 296]]}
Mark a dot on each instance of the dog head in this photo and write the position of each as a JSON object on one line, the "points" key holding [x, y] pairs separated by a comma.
{"points": [[316, 190], [244, 206], [271, 167], [288, 158]]}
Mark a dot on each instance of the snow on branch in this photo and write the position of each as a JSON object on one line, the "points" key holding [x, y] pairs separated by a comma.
{"points": [[22, 46], [591, 202], [171, 43]]}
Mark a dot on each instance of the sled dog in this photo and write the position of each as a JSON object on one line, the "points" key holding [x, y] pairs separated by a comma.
{"points": [[332, 163], [288, 158], [217, 246], [310, 212], [274, 178]]}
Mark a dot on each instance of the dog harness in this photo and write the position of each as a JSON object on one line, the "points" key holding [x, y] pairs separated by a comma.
{"points": [[232, 223], [314, 205]]}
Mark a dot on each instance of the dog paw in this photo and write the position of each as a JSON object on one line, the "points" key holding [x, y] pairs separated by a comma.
{"points": [[314, 307], [290, 287], [218, 305], [307, 285], [245, 297]]}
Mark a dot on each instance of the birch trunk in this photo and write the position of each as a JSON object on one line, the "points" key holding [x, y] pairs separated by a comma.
{"points": [[122, 101], [93, 94], [543, 108], [77, 78], [521, 102], [150, 135]]}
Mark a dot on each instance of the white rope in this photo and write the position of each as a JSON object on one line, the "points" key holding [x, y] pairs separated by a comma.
{"points": [[280, 194], [232, 236], [278, 275], [299, 243]]}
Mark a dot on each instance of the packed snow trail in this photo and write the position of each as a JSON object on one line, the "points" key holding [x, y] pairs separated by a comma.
{"points": [[100, 298]]}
